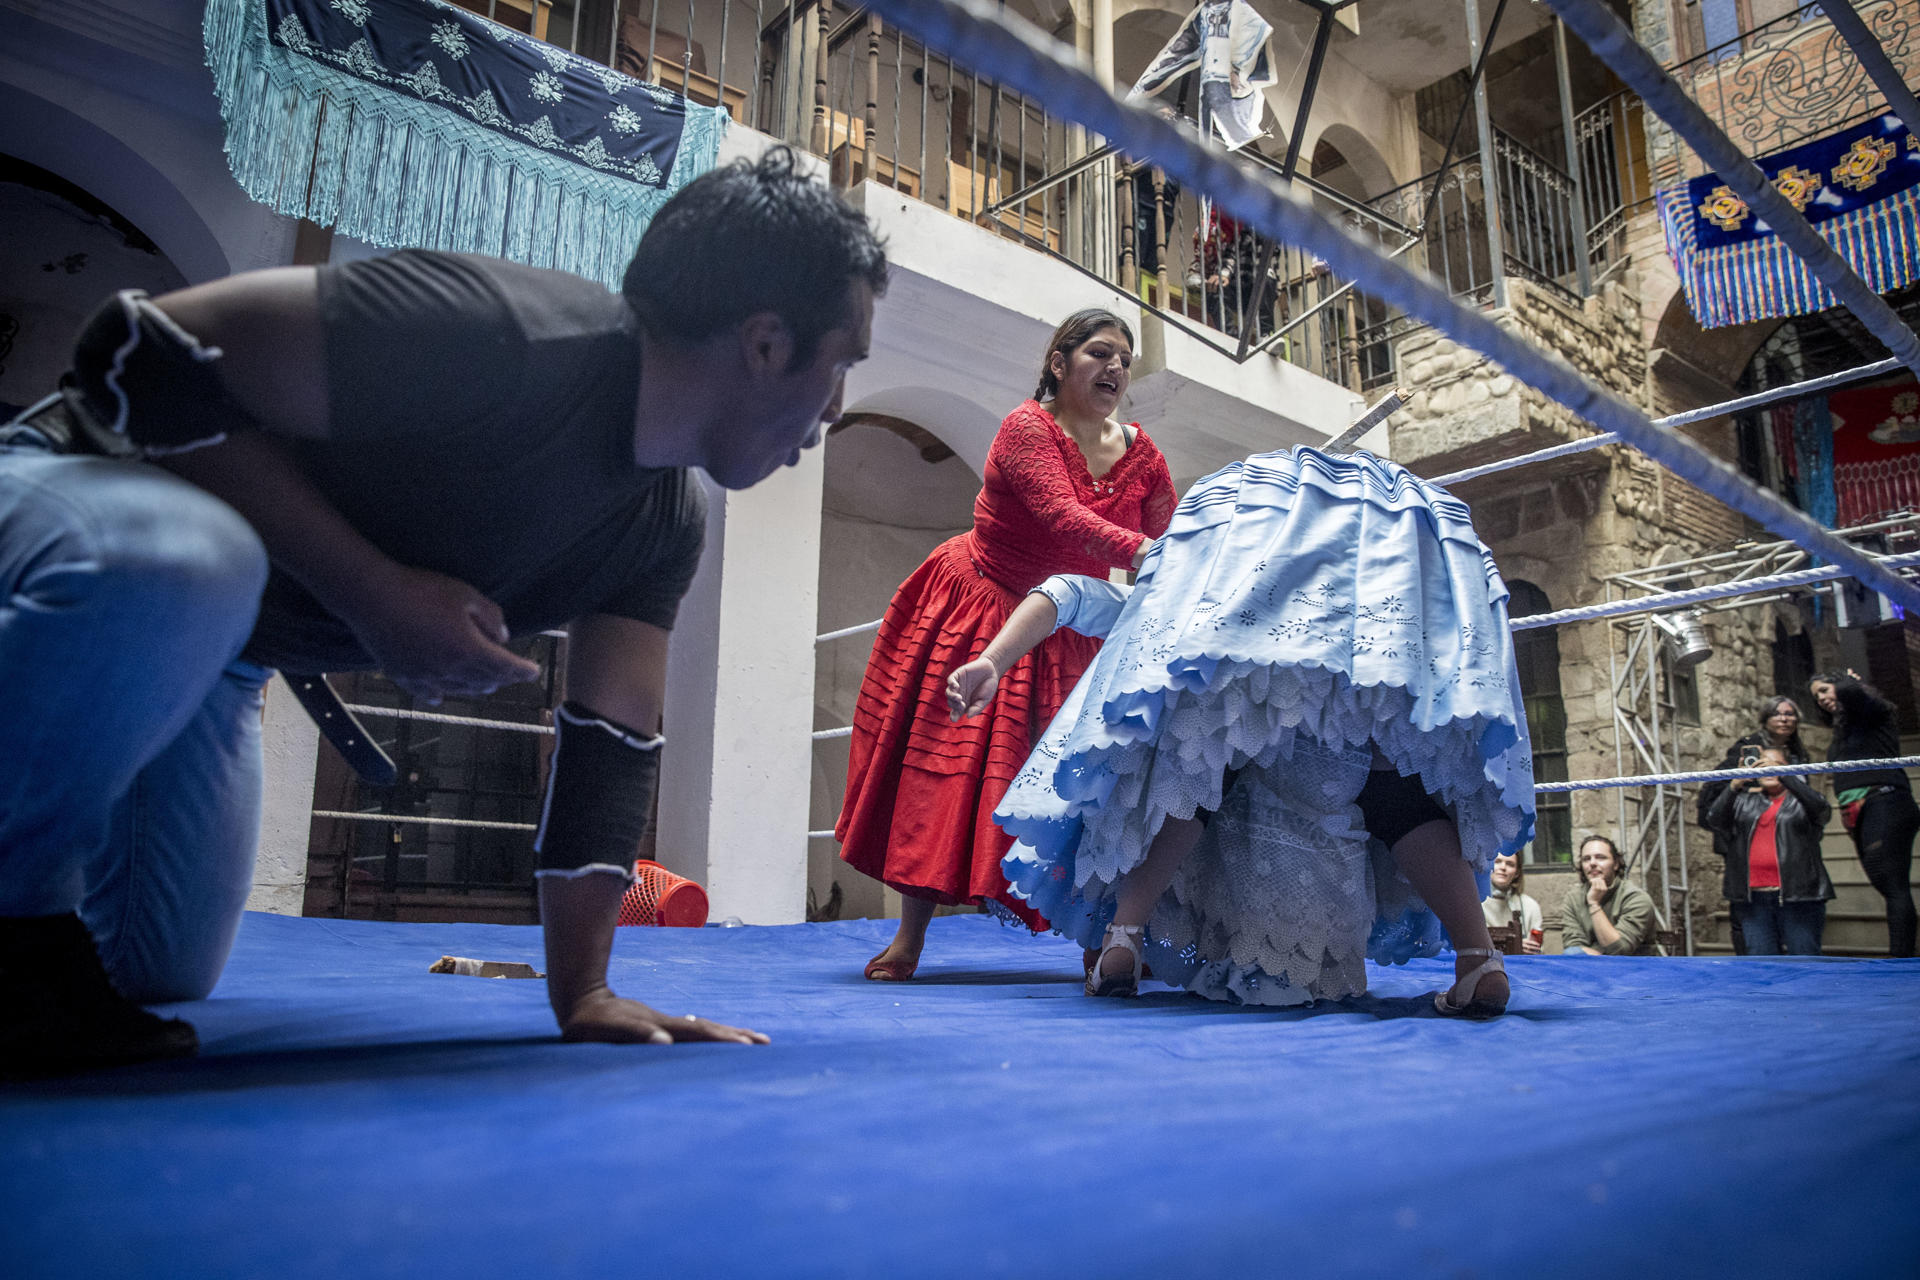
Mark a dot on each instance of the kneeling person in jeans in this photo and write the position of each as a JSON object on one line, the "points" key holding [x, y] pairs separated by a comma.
{"points": [[416, 458]]}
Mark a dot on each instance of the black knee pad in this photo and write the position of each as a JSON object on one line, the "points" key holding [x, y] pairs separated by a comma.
{"points": [[600, 792]]}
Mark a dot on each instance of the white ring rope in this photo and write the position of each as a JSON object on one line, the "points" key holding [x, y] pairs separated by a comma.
{"points": [[424, 822], [435, 717], [1677, 779], [1015, 53], [1666, 600], [848, 631], [1793, 391], [827, 735], [1718, 775]]}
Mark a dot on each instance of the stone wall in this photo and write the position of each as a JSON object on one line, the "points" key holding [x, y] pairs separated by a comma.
{"points": [[1570, 525], [1466, 409]]}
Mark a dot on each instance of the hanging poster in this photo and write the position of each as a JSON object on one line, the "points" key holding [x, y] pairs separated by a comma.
{"points": [[1876, 451], [1858, 187]]}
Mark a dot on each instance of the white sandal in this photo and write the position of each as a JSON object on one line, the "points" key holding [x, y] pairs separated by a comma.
{"points": [[1120, 937], [1467, 1006]]}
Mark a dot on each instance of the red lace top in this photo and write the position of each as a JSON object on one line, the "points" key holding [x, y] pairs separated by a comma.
{"points": [[1041, 512]]}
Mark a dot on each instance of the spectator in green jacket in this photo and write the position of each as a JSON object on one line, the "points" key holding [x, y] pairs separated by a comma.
{"points": [[1604, 915]]}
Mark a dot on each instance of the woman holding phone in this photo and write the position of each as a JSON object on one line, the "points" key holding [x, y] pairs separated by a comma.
{"points": [[1779, 729]]}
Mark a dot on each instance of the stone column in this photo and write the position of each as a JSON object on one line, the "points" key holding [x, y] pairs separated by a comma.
{"points": [[738, 766]]}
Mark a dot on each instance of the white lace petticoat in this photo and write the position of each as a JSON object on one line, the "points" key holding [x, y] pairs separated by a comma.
{"points": [[1302, 612]]}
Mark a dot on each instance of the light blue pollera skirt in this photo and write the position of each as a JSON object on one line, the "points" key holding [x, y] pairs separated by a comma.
{"points": [[1302, 612]]}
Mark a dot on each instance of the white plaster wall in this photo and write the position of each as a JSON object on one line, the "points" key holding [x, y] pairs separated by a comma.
{"points": [[290, 746], [736, 777], [115, 96], [959, 337]]}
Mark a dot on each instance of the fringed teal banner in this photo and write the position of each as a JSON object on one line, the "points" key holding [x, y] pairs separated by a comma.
{"points": [[414, 123], [1860, 188]]}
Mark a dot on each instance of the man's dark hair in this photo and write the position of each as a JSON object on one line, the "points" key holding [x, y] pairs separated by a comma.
{"points": [[1619, 863], [752, 236]]}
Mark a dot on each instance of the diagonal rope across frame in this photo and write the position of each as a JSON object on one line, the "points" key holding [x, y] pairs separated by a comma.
{"points": [[1018, 54]]}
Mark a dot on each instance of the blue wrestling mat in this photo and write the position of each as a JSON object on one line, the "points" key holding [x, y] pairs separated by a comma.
{"points": [[353, 1115]]}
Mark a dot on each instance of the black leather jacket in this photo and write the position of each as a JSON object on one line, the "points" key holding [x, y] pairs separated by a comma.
{"points": [[1752, 744], [1796, 840]]}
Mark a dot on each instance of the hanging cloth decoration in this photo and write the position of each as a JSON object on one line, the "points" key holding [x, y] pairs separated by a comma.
{"points": [[1859, 187], [1227, 40], [414, 123], [1876, 450]]}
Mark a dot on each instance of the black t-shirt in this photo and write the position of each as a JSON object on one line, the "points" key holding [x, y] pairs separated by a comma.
{"points": [[481, 426]]}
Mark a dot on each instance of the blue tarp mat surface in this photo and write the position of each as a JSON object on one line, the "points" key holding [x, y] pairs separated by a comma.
{"points": [[353, 1115]]}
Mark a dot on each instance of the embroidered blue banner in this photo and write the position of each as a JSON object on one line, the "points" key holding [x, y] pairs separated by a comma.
{"points": [[1859, 187], [418, 123], [519, 87]]}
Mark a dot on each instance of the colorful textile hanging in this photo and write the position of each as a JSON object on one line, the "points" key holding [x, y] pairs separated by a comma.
{"points": [[1876, 451], [1860, 188], [415, 123]]}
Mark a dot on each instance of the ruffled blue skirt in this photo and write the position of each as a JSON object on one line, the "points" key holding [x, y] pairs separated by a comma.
{"points": [[1303, 613]]}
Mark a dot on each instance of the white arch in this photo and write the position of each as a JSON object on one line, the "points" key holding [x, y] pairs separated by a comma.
{"points": [[1371, 175], [63, 143], [963, 425]]}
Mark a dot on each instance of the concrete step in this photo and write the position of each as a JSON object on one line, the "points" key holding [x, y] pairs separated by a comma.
{"points": [[1826, 949], [1847, 933]]}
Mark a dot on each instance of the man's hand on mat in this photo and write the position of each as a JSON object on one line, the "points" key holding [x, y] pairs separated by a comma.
{"points": [[970, 689], [437, 637], [605, 1018]]}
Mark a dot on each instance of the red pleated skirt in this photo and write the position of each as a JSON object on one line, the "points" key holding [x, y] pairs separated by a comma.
{"points": [[921, 791]]}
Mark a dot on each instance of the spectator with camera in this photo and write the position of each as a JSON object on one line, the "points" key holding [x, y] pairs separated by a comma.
{"points": [[1779, 719], [1776, 884]]}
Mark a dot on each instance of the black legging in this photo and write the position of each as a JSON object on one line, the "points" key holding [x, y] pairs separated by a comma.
{"points": [[1883, 837]]}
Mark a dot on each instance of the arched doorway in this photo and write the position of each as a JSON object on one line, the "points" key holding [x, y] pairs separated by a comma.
{"points": [[64, 250], [894, 491]]}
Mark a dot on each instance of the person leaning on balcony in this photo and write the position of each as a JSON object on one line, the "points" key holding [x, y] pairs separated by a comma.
{"points": [[1875, 804], [1779, 718], [418, 457], [1068, 489], [1603, 915], [1508, 906], [1776, 885]]}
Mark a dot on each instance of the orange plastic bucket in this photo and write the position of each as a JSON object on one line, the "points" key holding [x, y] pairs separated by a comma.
{"points": [[657, 896]]}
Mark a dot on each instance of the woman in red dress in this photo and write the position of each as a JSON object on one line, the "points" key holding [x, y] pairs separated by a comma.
{"points": [[1068, 490]]}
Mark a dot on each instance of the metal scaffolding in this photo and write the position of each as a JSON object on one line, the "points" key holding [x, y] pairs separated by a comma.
{"points": [[1653, 820]]}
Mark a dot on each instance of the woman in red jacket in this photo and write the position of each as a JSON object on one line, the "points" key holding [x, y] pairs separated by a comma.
{"points": [[1068, 489]]}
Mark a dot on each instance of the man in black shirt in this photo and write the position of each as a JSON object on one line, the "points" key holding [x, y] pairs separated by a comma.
{"points": [[436, 453]]}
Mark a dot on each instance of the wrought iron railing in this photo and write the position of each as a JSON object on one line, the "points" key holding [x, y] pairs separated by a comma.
{"points": [[1610, 139], [1792, 78], [880, 106]]}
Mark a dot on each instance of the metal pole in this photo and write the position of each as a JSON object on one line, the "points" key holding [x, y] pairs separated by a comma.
{"points": [[1614, 45], [720, 72], [1489, 182], [1885, 75], [1582, 269], [1249, 314]]}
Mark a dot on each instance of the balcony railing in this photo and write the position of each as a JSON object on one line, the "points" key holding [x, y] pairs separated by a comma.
{"points": [[1793, 78], [877, 105]]}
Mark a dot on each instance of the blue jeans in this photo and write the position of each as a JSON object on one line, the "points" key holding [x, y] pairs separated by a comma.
{"points": [[131, 732], [1775, 928]]}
